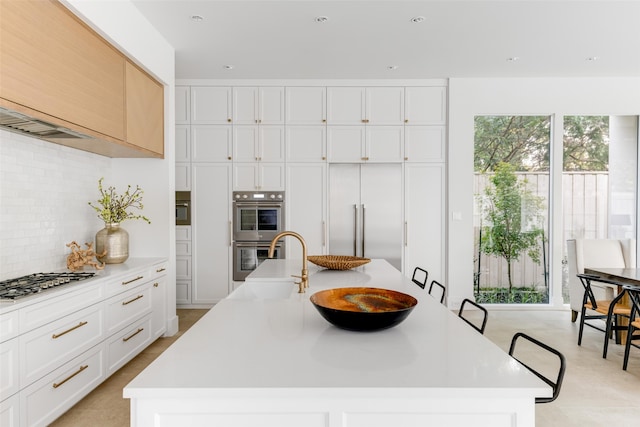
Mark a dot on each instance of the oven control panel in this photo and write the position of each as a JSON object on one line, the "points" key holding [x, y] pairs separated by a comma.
{"points": [[256, 196]]}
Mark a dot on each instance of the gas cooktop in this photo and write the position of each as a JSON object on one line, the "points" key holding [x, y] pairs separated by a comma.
{"points": [[38, 282]]}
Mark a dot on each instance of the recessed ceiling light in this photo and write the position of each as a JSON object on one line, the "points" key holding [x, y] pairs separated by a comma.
{"points": [[417, 19], [392, 67], [228, 67], [513, 59], [196, 18], [321, 19]]}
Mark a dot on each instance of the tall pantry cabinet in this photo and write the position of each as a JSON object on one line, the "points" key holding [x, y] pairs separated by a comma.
{"points": [[286, 138]]}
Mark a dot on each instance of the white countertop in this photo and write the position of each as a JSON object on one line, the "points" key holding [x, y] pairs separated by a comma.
{"points": [[263, 345], [111, 271]]}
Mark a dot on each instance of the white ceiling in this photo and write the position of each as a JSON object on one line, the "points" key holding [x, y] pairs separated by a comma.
{"points": [[361, 39]]}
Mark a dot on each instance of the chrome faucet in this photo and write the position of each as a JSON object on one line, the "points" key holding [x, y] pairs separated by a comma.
{"points": [[304, 277]]}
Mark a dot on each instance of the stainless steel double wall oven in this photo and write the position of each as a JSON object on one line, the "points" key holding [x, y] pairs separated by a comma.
{"points": [[257, 218]]}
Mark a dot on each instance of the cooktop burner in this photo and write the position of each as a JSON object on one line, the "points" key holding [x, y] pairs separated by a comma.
{"points": [[38, 282]]}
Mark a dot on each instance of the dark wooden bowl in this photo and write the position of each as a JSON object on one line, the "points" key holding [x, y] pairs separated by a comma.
{"points": [[363, 309]]}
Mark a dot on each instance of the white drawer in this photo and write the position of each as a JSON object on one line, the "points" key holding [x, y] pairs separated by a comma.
{"points": [[9, 326], [183, 248], [183, 232], [131, 280], [52, 309], [51, 396], [9, 368], [10, 411], [126, 344], [183, 268], [44, 349], [125, 308], [159, 270]]}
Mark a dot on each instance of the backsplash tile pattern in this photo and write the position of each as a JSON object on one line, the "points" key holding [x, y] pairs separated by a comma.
{"points": [[44, 190]]}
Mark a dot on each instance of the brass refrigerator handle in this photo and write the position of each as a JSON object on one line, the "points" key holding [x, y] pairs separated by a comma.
{"points": [[363, 255], [79, 325], [82, 368], [355, 230]]}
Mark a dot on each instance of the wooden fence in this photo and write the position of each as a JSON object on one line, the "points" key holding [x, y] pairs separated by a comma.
{"points": [[584, 204]]}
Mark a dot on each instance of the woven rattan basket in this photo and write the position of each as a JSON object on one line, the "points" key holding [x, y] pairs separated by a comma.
{"points": [[338, 262]]}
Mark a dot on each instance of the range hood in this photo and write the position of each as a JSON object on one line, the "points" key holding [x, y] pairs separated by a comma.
{"points": [[20, 123]]}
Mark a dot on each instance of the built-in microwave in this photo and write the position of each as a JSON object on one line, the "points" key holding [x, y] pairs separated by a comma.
{"points": [[183, 207]]}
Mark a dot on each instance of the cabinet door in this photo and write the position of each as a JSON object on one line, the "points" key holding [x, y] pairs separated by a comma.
{"points": [[245, 143], [346, 105], [245, 105], [211, 233], [271, 146], [183, 105], [385, 106], [306, 143], [183, 177], [211, 143], [425, 105], [306, 105], [183, 292], [183, 143], [159, 301], [346, 143], [305, 207], [271, 176], [424, 143], [245, 176], [271, 106], [211, 105], [384, 143], [144, 111], [424, 219]]}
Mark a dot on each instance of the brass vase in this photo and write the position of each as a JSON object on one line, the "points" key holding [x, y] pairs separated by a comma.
{"points": [[115, 240]]}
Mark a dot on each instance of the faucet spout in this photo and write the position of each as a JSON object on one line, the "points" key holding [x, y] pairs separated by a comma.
{"points": [[304, 276]]}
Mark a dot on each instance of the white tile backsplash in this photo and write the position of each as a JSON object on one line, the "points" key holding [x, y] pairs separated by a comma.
{"points": [[44, 193]]}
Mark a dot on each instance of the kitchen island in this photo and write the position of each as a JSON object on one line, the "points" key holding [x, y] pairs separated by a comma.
{"points": [[265, 357]]}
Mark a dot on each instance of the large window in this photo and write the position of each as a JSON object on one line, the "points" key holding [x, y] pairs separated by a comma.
{"points": [[511, 163]]}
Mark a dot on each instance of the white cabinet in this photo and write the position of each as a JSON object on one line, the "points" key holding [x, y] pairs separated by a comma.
{"points": [[183, 143], [306, 206], [355, 144], [306, 143], [183, 264], [306, 105], [211, 143], [426, 105], [425, 143], [211, 105], [182, 103], [360, 105], [10, 411], [9, 368], [159, 287], [258, 143], [258, 105], [211, 238], [258, 176], [183, 176], [424, 219]]}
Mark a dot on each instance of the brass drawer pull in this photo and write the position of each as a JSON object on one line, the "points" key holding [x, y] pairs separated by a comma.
{"points": [[155, 285], [130, 301], [160, 270], [82, 368], [132, 335], [132, 280], [54, 336]]}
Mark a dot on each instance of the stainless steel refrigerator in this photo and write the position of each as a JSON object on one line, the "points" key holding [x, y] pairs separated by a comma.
{"points": [[365, 211]]}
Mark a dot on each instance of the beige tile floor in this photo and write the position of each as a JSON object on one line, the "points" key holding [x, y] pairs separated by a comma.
{"points": [[596, 391]]}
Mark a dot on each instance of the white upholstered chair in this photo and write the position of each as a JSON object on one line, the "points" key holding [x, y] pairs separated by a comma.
{"points": [[594, 253]]}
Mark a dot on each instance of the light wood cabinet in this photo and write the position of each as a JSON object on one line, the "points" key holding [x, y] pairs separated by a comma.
{"points": [[145, 110], [56, 69]]}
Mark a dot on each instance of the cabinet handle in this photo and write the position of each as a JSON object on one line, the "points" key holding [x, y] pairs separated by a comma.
{"points": [[406, 235], [256, 120], [229, 158], [406, 120], [54, 336], [132, 280], [230, 232], [324, 158], [229, 120], [364, 121], [160, 270], [324, 120], [135, 299], [155, 285], [406, 158], [132, 335], [82, 368], [363, 158], [324, 234]]}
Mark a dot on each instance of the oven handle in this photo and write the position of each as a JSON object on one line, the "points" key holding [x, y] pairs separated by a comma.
{"points": [[256, 245], [258, 205]]}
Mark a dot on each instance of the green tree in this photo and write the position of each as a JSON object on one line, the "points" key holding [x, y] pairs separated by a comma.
{"points": [[586, 143], [512, 218]]}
